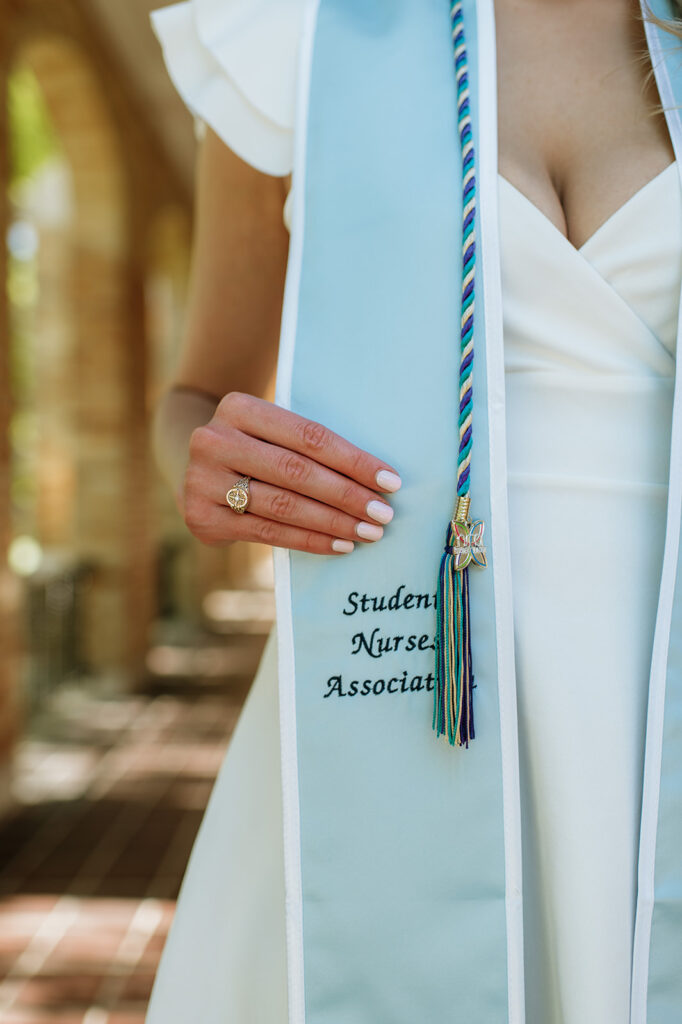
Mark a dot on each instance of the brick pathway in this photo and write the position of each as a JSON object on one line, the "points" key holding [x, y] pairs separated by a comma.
{"points": [[91, 863]]}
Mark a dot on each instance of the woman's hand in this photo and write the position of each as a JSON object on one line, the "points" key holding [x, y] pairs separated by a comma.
{"points": [[311, 490]]}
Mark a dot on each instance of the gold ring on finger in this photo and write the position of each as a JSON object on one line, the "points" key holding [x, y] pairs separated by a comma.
{"points": [[239, 495]]}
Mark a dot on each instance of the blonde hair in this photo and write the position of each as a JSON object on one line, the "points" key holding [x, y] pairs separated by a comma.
{"points": [[673, 25]]}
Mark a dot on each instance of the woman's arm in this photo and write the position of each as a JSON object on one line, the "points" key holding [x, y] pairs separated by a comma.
{"points": [[237, 274], [312, 490]]}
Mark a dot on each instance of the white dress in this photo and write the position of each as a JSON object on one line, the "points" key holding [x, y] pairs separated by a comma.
{"points": [[589, 339]]}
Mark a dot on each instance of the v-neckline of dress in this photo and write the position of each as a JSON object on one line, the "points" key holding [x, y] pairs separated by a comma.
{"points": [[533, 249], [580, 250]]}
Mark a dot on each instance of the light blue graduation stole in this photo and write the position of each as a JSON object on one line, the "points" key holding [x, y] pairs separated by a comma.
{"points": [[403, 854]]}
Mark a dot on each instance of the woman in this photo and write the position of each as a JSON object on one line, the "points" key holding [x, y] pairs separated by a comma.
{"points": [[505, 880]]}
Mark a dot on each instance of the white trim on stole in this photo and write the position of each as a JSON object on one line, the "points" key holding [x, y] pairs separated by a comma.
{"points": [[659, 660], [499, 511], [282, 558]]}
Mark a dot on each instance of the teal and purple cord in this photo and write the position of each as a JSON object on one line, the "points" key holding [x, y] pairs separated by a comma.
{"points": [[453, 692], [468, 248]]}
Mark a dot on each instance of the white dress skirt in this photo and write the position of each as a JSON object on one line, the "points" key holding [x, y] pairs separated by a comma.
{"points": [[589, 339]]}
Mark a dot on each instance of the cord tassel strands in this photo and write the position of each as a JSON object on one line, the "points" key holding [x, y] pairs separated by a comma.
{"points": [[453, 714]]}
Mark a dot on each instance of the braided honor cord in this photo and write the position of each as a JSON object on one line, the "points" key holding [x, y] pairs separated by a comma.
{"points": [[468, 250], [453, 707]]}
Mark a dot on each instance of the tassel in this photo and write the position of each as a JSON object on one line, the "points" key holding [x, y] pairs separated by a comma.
{"points": [[453, 712]]}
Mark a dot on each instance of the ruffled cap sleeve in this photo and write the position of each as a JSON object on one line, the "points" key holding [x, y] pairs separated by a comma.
{"points": [[234, 63]]}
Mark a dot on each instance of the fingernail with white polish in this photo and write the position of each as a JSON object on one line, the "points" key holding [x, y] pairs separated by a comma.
{"points": [[344, 546], [388, 481], [380, 511], [368, 531]]}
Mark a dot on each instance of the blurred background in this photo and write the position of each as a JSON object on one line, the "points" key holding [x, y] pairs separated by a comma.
{"points": [[127, 649]]}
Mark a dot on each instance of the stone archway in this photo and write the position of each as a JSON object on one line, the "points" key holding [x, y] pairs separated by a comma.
{"points": [[85, 378], [96, 486]]}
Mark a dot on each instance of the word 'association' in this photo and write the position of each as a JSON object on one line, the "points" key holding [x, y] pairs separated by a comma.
{"points": [[336, 687]]}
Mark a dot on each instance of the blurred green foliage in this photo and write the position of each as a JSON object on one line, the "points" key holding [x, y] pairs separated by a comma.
{"points": [[33, 139], [32, 143]]}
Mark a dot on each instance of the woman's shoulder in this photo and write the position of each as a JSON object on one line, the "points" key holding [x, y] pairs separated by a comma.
{"points": [[234, 63]]}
